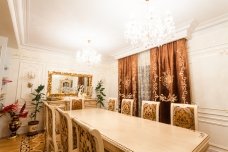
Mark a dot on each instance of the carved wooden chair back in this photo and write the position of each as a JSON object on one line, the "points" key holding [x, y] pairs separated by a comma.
{"points": [[76, 104], [112, 104], [66, 131], [127, 106], [89, 139], [150, 110], [184, 115], [50, 128]]}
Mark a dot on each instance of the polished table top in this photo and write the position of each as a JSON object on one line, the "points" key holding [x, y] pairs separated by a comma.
{"points": [[141, 135]]}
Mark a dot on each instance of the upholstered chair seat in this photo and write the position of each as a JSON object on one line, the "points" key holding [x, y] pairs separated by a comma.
{"points": [[127, 106], [184, 115], [150, 110]]}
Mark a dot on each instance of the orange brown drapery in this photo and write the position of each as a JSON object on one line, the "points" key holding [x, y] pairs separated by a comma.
{"points": [[169, 76], [128, 80]]}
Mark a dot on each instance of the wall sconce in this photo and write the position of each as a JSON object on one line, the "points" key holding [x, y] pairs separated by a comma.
{"points": [[30, 76]]}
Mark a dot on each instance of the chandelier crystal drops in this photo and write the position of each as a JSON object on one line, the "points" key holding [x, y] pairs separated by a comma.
{"points": [[151, 29], [88, 55]]}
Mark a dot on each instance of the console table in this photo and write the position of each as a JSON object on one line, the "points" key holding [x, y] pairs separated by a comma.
{"points": [[86, 103]]}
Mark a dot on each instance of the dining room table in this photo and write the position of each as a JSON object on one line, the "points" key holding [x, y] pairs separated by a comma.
{"points": [[122, 132]]}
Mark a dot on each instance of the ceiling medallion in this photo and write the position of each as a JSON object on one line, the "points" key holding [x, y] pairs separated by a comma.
{"points": [[152, 29]]}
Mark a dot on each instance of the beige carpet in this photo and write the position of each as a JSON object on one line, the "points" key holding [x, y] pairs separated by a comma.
{"points": [[33, 144]]}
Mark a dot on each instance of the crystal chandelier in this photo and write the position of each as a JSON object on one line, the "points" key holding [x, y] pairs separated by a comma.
{"points": [[151, 29], [88, 55]]}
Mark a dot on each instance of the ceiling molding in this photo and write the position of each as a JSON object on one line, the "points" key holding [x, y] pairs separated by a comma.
{"points": [[19, 10], [183, 32], [44, 50], [11, 4], [212, 22]]}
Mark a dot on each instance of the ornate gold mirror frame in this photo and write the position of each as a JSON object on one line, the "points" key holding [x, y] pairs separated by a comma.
{"points": [[66, 80]]}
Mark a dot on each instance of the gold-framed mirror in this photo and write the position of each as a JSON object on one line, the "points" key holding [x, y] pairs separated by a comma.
{"points": [[68, 84]]}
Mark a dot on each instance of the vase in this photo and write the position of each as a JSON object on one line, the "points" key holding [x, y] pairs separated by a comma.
{"points": [[33, 128], [14, 125]]}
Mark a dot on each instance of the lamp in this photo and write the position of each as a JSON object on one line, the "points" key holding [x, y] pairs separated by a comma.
{"points": [[152, 29], [88, 55]]}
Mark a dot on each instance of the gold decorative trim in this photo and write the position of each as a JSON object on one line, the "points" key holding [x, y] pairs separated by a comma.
{"points": [[50, 73]]}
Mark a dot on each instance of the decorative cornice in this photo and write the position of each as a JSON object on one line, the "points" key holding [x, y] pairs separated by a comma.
{"points": [[11, 4], [212, 22], [20, 18], [220, 48]]}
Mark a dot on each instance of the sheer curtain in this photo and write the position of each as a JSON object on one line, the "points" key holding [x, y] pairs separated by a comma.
{"points": [[144, 85]]}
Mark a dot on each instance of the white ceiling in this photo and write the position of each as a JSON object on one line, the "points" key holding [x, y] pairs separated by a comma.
{"points": [[66, 25], [6, 26]]}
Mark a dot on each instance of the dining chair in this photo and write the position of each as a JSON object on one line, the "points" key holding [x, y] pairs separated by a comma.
{"points": [[184, 115], [127, 106], [66, 132], [112, 104], [150, 110], [52, 138], [89, 139], [76, 104]]}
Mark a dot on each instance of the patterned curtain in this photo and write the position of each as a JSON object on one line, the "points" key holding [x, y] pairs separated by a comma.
{"points": [[144, 85], [170, 76], [128, 80]]}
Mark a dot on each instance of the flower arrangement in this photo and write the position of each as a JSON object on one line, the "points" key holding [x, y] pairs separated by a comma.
{"points": [[13, 110]]}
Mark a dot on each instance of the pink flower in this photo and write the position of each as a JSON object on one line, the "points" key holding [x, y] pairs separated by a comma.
{"points": [[12, 109]]}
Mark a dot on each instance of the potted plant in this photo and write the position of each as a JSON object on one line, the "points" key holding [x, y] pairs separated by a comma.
{"points": [[99, 92], [15, 115], [37, 101]]}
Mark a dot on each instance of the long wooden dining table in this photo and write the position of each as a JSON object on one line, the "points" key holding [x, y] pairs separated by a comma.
{"points": [[128, 133]]}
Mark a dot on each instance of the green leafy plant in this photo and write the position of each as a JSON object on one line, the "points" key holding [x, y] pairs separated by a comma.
{"points": [[37, 101], [99, 92]]}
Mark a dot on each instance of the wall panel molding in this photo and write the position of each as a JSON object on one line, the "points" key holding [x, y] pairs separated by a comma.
{"points": [[213, 116], [219, 49], [217, 148]]}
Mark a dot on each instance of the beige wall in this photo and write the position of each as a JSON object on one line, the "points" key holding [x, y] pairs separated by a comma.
{"points": [[208, 54]]}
